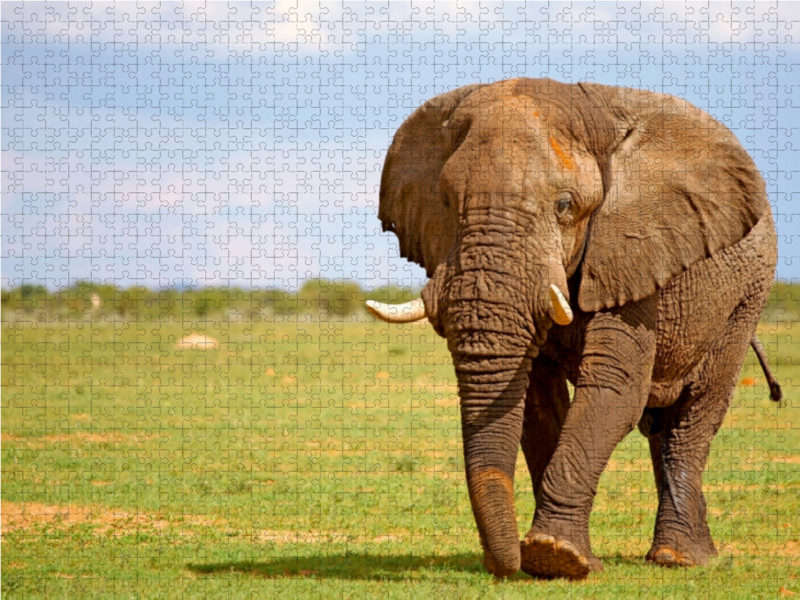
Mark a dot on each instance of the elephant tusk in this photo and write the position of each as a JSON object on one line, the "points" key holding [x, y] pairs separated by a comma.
{"points": [[561, 312], [407, 312]]}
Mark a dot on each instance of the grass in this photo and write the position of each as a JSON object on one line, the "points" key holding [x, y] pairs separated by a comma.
{"points": [[323, 460]]}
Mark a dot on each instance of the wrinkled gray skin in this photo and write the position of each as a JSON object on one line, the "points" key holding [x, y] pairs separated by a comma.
{"points": [[653, 220]]}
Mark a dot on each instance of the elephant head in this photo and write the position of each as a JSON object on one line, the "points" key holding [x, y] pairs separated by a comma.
{"points": [[527, 199]]}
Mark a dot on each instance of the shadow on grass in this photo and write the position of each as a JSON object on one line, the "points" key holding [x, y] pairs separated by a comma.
{"points": [[345, 566], [630, 561], [368, 567]]}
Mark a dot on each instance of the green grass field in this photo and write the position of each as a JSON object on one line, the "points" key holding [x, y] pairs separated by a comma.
{"points": [[323, 460]]}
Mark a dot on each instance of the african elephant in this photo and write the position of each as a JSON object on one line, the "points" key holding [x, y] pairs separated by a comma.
{"points": [[618, 239]]}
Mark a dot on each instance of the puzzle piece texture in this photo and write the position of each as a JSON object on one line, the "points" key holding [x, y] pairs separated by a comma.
{"points": [[198, 201]]}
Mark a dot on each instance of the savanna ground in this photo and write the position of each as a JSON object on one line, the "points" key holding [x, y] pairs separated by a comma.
{"points": [[321, 459]]}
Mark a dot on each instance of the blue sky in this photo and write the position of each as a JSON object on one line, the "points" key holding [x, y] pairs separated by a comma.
{"points": [[241, 144]]}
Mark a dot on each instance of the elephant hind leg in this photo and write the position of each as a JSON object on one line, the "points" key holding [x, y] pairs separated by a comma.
{"points": [[680, 539], [680, 447], [546, 406]]}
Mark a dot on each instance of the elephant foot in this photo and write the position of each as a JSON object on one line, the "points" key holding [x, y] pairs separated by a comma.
{"points": [[676, 549], [496, 569], [548, 557], [665, 556]]}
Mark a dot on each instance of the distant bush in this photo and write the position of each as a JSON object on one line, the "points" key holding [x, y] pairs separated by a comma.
{"points": [[316, 299]]}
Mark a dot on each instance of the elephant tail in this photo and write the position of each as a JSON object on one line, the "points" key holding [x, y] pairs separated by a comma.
{"points": [[775, 391]]}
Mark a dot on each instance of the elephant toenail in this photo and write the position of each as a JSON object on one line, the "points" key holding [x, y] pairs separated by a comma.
{"points": [[569, 547], [543, 538], [665, 555]]}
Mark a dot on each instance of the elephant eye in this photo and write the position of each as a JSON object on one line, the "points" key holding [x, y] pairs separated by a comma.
{"points": [[563, 204]]}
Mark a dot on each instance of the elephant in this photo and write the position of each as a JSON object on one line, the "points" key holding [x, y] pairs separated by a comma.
{"points": [[615, 238]]}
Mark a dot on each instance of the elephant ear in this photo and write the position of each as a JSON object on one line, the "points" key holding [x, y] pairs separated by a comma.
{"points": [[411, 203], [678, 188]]}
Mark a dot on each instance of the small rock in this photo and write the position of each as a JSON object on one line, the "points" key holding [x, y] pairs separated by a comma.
{"points": [[198, 341]]}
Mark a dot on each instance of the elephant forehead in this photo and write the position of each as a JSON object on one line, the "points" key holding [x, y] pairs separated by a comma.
{"points": [[508, 117], [539, 161], [516, 123]]}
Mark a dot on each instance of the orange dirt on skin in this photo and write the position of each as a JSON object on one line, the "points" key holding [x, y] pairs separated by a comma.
{"points": [[565, 160]]}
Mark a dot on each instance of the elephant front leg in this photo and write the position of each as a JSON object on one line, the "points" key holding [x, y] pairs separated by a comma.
{"points": [[558, 542], [610, 395]]}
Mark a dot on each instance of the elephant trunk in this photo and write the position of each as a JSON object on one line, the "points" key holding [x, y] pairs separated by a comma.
{"points": [[492, 402], [492, 335]]}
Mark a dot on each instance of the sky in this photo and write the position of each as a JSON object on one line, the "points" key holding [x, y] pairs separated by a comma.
{"points": [[241, 144]]}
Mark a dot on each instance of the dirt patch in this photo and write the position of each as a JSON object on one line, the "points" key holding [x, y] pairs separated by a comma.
{"points": [[10, 438], [26, 515], [629, 466], [86, 438], [794, 459], [791, 548], [75, 440], [448, 401], [320, 537], [106, 521], [386, 538], [297, 537]]}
